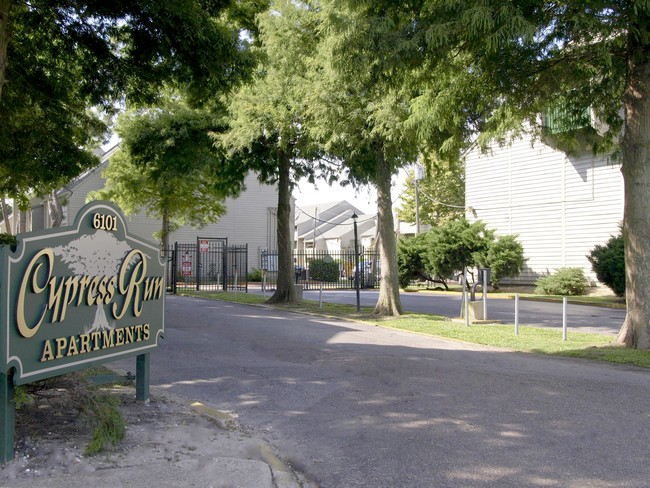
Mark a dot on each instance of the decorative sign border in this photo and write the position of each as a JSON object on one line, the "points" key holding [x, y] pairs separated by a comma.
{"points": [[80, 295]]}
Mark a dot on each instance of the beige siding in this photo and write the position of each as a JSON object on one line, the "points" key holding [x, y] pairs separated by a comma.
{"points": [[560, 206], [249, 219]]}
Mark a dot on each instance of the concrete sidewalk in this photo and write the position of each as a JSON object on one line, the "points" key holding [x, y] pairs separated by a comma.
{"points": [[171, 442]]}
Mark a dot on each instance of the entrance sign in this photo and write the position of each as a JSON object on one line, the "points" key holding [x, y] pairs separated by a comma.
{"points": [[74, 297], [78, 296], [83, 294]]}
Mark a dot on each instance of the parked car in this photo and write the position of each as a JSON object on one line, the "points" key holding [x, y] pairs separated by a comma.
{"points": [[370, 271]]}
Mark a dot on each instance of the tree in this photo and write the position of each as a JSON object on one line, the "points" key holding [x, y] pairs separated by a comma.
{"points": [[60, 58], [530, 55], [361, 121], [168, 165], [268, 119], [441, 194]]}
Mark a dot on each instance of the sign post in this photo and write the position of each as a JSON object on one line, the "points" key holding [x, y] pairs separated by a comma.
{"points": [[75, 297]]}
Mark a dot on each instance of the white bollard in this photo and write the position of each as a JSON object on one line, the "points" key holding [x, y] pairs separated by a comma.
{"points": [[517, 314], [485, 285], [564, 307], [465, 297]]}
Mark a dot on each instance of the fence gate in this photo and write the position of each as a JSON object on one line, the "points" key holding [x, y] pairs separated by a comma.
{"points": [[209, 264]]}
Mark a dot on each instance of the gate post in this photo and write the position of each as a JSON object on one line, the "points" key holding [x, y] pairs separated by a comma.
{"points": [[175, 269], [198, 265], [7, 413], [142, 363]]}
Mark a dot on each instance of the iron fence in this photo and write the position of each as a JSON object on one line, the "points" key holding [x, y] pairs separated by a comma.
{"points": [[209, 264], [334, 270]]}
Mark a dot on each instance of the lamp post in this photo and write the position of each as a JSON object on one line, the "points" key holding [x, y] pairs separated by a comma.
{"points": [[356, 261]]}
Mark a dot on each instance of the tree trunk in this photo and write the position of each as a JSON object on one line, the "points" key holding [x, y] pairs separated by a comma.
{"points": [[636, 175], [55, 209], [164, 232], [389, 302], [4, 40], [5, 216], [285, 291]]}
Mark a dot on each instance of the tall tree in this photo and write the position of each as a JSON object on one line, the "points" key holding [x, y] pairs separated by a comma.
{"points": [[361, 120], [529, 55], [268, 126], [168, 166], [59, 58]]}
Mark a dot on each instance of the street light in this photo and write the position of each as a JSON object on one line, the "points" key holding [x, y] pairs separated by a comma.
{"points": [[356, 261]]}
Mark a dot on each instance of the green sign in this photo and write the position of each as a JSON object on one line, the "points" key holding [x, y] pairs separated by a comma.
{"points": [[80, 295]]}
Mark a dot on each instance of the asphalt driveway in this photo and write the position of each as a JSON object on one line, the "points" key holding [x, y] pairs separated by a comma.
{"points": [[354, 405]]}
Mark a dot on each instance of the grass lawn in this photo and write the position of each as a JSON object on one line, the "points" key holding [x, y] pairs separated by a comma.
{"points": [[530, 339]]}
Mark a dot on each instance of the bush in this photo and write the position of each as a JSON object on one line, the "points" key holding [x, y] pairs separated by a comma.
{"points": [[454, 246], [255, 275], [409, 259], [608, 262], [321, 270], [505, 257], [565, 282]]}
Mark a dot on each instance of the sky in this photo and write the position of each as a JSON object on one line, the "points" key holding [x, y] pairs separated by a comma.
{"points": [[364, 198]]}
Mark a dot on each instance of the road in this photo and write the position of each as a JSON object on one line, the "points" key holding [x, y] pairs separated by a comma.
{"points": [[581, 318], [354, 405]]}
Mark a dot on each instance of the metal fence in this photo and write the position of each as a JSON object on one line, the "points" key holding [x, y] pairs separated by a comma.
{"points": [[340, 269], [209, 264]]}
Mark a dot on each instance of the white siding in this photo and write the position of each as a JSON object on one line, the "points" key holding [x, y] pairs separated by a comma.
{"points": [[249, 219], [560, 206]]}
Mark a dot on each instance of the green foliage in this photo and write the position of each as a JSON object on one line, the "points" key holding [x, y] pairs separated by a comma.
{"points": [[564, 282], [69, 61], [321, 270], [444, 251], [441, 193], [505, 257], [75, 392], [255, 274], [7, 239], [454, 246], [168, 165], [21, 397], [108, 424], [608, 262], [410, 265]]}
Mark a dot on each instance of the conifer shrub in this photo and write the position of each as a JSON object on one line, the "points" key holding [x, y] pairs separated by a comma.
{"points": [[608, 262]]}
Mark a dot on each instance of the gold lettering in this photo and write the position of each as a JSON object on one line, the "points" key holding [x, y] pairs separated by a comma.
{"points": [[110, 290], [131, 290], [47, 352], [92, 291], [24, 329], [71, 287], [146, 331], [72, 347], [129, 331], [61, 343], [119, 341], [95, 336], [84, 343], [108, 338], [83, 283]]}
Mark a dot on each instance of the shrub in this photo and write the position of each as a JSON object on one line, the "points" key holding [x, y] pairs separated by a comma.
{"points": [[608, 262], [321, 270], [505, 257], [565, 282], [454, 246], [409, 259], [255, 274]]}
